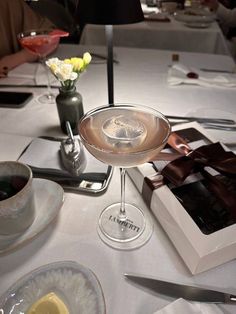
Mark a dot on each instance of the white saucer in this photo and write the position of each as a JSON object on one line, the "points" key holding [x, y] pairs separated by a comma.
{"points": [[192, 15], [76, 285], [49, 197]]}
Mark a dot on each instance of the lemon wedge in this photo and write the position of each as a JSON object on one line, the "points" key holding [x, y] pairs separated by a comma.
{"points": [[48, 304]]}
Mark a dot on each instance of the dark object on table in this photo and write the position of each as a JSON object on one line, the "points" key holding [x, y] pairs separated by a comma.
{"points": [[11, 99], [192, 75], [175, 57], [191, 135], [203, 206], [70, 108]]}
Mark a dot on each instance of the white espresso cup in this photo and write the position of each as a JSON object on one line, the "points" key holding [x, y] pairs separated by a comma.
{"points": [[17, 210]]}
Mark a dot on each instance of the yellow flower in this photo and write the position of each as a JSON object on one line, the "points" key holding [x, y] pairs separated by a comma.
{"points": [[87, 58], [77, 64], [67, 61]]}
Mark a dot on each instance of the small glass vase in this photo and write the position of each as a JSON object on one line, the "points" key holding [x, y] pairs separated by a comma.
{"points": [[70, 108]]}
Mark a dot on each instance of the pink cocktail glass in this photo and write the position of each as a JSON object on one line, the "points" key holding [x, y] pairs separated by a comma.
{"points": [[41, 43]]}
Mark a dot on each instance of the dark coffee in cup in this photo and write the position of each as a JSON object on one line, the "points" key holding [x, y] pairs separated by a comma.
{"points": [[10, 185], [17, 209]]}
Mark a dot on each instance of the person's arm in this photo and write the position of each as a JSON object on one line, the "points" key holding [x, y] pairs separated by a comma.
{"points": [[17, 16], [226, 17], [11, 61]]}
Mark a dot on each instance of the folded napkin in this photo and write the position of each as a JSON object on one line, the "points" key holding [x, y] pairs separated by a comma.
{"points": [[148, 10], [177, 75], [182, 306], [43, 156], [29, 73]]}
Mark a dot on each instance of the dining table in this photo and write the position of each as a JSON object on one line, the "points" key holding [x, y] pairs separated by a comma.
{"points": [[140, 77], [158, 34]]}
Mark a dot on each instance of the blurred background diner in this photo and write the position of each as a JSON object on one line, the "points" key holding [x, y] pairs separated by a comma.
{"points": [[169, 31], [17, 16], [62, 14], [226, 14]]}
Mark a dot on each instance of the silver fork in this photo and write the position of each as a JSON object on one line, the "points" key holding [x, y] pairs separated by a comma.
{"points": [[211, 126], [219, 127]]}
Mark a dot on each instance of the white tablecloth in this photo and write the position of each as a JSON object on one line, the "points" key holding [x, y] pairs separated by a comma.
{"points": [[160, 35], [140, 77]]}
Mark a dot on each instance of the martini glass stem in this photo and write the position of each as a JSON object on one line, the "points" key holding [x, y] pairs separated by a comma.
{"points": [[49, 90], [36, 71], [122, 213]]}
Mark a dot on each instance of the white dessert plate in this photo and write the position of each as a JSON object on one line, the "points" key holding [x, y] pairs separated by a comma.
{"points": [[76, 285], [49, 197], [194, 15]]}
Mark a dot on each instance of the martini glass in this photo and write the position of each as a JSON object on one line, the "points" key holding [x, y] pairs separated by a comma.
{"points": [[41, 43], [124, 135]]}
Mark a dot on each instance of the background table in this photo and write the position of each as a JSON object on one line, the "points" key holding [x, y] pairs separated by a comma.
{"points": [[140, 77], [160, 35]]}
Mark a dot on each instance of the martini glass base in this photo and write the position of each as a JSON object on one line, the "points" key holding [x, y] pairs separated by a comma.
{"points": [[124, 233], [47, 99]]}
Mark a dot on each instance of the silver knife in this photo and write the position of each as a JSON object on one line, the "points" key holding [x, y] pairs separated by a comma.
{"points": [[202, 120], [217, 70], [27, 85], [175, 290]]}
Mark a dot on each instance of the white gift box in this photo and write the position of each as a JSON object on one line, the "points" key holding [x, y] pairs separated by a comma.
{"points": [[199, 251]]}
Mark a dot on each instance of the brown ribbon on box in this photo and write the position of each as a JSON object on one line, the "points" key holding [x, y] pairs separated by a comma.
{"points": [[150, 184], [212, 155], [192, 161]]}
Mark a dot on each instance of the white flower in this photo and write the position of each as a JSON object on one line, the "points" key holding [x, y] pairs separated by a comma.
{"points": [[64, 72], [67, 71], [52, 61]]}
